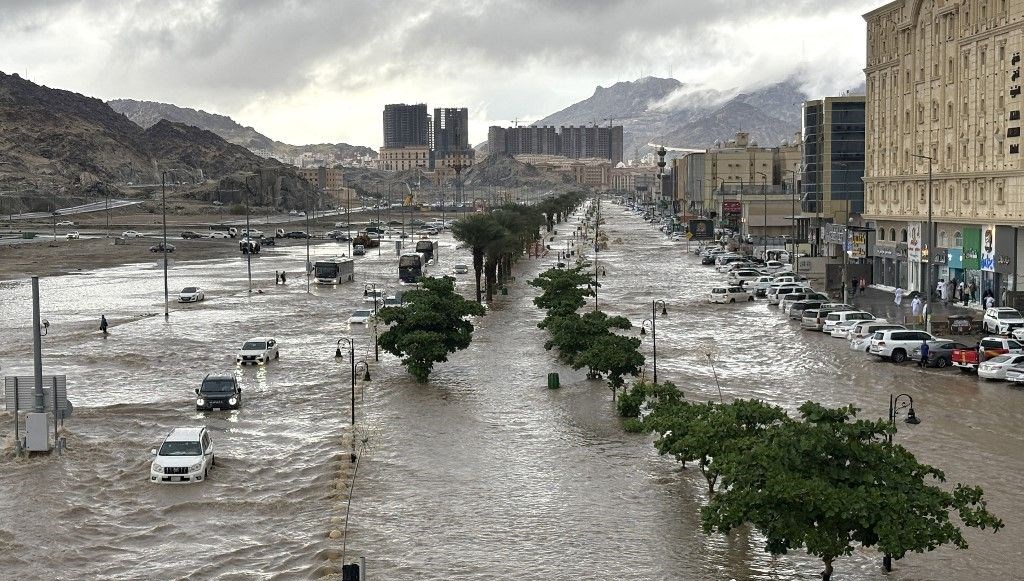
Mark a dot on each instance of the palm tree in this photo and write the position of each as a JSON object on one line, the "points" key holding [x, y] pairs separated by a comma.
{"points": [[477, 231]]}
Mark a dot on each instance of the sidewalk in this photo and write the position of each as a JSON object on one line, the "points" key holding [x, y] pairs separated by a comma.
{"points": [[879, 301]]}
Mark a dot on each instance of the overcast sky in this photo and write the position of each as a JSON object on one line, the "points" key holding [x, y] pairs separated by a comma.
{"points": [[307, 71]]}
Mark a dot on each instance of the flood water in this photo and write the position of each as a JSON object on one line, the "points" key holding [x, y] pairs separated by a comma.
{"points": [[482, 473]]}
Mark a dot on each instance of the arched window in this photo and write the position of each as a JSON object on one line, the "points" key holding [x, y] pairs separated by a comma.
{"points": [[958, 239], [943, 239], [881, 233], [892, 234], [903, 235]]}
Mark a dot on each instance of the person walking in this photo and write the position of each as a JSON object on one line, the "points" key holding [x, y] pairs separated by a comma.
{"points": [[924, 354], [853, 287], [898, 297], [282, 277], [944, 291], [990, 301], [103, 324], [862, 285], [915, 306], [971, 289], [961, 288]]}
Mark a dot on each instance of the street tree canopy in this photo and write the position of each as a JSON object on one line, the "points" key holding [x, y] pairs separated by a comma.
{"points": [[431, 325], [829, 483], [564, 290]]}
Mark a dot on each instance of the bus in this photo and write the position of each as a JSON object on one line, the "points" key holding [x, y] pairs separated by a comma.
{"points": [[410, 267], [334, 270], [428, 248]]}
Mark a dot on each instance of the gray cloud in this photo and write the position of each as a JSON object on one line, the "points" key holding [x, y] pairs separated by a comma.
{"points": [[231, 53]]}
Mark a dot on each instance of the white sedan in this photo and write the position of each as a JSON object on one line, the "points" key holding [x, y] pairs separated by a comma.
{"points": [[191, 294], [130, 234], [219, 234], [360, 316], [73, 235], [996, 367]]}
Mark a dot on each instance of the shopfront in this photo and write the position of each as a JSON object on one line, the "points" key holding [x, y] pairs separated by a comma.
{"points": [[1003, 261], [889, 267], [938, 259], [955, 264], [971, 259]]}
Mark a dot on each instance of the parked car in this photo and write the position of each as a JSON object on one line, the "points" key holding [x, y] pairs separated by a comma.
{"points": [[968, 360], [861, 333], [996, 367], [358, 250], [360, 316], [782, 292], [191, 294], [744, 276], [73, 235], [185, 455], [940, 352], [296, 234], [839, 317], [190, 235], [460, 269], [729, 294], [796, 310], [760, 285], [65, 223], [787, 300], [159, 247], [219, 392], [130, 234], [776, 266], [258, 351], [896, 344], [341, 224], [1001, 320], [1015, 374], [219, 234]]}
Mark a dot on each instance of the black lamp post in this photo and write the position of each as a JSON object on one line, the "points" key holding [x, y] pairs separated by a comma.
{"points": [[367, 287], [654, 330], [366, 377], [897, 403]]}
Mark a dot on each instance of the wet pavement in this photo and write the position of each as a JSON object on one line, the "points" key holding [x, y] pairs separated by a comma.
{"points": [[482, 473]]}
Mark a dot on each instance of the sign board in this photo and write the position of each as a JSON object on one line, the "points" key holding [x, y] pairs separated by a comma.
{"points": [[25, 387], [858, 245], [732, 207], [914, 242], [834, 233], [702, 230]]}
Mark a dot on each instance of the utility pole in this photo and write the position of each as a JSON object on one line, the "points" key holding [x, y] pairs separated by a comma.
{"points": [[37, 348], [163, 194]]}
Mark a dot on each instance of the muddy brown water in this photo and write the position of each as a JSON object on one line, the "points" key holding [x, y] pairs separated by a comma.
{"points": [[481, 474]]}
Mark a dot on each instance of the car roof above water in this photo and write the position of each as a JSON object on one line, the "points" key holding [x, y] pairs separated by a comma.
{"points": [[184, 434]]}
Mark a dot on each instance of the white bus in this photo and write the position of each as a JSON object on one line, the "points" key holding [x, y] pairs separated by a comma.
{"points": [[334, 270]]}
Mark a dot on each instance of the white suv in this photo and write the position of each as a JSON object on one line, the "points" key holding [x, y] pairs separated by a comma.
{"points": [[839, 318], [258, 351], [729, 294], [185, 455], [1001, 320], [895, 344]]}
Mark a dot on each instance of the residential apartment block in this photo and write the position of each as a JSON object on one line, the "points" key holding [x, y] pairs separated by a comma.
{"points": [[415, 139], [944, 92], [571, 142]]}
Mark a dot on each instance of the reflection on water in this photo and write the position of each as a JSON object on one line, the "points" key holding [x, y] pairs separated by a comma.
{"points": [[481, 474]]}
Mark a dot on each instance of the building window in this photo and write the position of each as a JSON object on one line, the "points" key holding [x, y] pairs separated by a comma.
{"points": [[958, 239], [892, 234], [903, 235], [967, 193], [999, 195], [981, 194], [943, 239], [951, 197], [1014, 115], [1013, 132], [1014, 148], [881, 233]]}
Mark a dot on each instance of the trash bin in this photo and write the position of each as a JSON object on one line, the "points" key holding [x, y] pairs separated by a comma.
{"points": [[350, 572], [504, 290], [553, 381]]}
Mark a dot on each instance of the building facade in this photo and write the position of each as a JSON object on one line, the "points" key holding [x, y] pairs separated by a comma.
{"points": [[406, 125], [833, 158], [327, 178], [944, 94], [403, 158], [571, 142]]}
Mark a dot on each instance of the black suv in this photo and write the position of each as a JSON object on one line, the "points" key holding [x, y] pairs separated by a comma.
{"points": [[219, 392]]}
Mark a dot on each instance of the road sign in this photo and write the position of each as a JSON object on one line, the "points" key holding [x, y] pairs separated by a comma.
{"points": [[702, 230]]}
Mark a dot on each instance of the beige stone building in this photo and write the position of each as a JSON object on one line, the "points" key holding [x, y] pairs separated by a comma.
{"points": [[944, 82], [403, 158], [323, 177]]}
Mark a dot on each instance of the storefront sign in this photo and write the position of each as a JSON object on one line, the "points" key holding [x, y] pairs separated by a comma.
{"points": [[914, 241], [901, 251], [940, 257], [885, 249], [972, 248], [955, 256], [858, 245], [732, 207], [1004, 250], [988, 249]]}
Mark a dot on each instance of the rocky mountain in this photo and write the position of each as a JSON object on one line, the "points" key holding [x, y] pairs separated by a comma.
{"points": [[680, 115], [148, 113], [53, 140]]}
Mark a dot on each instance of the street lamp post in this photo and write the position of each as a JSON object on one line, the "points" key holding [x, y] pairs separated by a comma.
{"points": [[927, 242], [367, 287], [897, 403], [353, 366], [163, 195], [764, 221], [792, 218], [654, 330]]}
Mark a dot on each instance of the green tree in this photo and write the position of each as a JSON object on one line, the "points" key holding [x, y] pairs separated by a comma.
{"points": [[710, 433], [573, 334], [830, 482], [477, 231], [431, 325], [612, 355], [565, 290]]}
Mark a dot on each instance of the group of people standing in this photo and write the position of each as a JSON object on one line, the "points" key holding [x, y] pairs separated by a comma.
{"points": [[953, 291]]}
